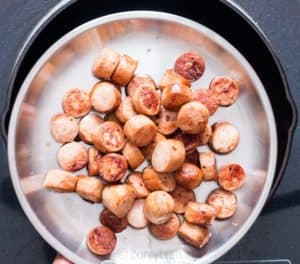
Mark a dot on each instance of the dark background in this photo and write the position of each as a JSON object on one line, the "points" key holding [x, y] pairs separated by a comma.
{"points": [[276, 233]]}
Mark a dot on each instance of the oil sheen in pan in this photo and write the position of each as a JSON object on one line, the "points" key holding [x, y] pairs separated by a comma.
{"points": [[155, 39]]}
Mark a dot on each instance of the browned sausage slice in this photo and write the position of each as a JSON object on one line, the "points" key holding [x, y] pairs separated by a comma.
{"points": [[146, 100], [112, 167], [199, 213], [225, 137], [192, 117], [167, 230], [108, 137], [189, 176], [60, 181], [90, 188], [87, 125], [106, 63], [125, 110], [133, 155], [204, 136], [190, 141], [72, 156], [225, 203], [231, 177], [207, 98], [225, 90], [115, 223], [208, 165], [105, 97], [101, 240], [125, 70], [148, 149], [140, 130], [166, 121], [190, 65], [193, 158], [64, 128], [93, 161], [181, 198], [136, 181], [171, 78], [76, 102], [139, 80]]}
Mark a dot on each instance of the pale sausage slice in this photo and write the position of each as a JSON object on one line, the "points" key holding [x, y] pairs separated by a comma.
{"points": [[125, 110], [189, 176], [225, 90], [64, 128], [115, 223], [101, 240], [199, 213], [208, 165], [105, 97], [136, 217], [108, 137], [231, 176], [112, 167], [195, 235], [148, 149], [125, 70], [170, 78], [90, 188], [136, 181], [139, 80], [167, 230], [207, 98], [105, 63], [76, 102], [225, 137], [140, 130], [192, 117], [168, 155], [133, 155], [225, 203], [60, 181], [87, 125], [72, 156]]}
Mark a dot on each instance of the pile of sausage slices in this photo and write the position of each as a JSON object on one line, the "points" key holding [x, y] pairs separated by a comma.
{"points": [[162, 124]]}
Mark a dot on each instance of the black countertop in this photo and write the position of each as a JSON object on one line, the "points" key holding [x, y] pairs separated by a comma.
{"points": [[276, 233]]}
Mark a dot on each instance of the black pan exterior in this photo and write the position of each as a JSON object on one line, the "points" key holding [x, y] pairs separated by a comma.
{"points": [[225, 18]]}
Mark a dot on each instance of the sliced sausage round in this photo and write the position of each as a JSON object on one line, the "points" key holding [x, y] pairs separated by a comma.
{"points": [[87, 125], [139, 80], [93, 161], [125, 110], [225, 90], [192, 117], [108, 137], [190, 141], [190, 65], [140, 130], [189, 176], [148, 149], [182, 197], [105, 97], [225, 203], [64, 128], [76, 102], [205, 135], [136, 181], [199, 213], [231, 176], [207, 98], [136, 217], [208, 165], [166, 121], [60, 181], [225, 137], [171, 78], [90, 188], [105, 63], [112, 167], [133, 155], [101, 240], [115, 223], [72, 156], [125, 70]]}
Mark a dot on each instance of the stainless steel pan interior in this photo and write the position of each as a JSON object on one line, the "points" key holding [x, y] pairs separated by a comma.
{"points": [[155, 39]]}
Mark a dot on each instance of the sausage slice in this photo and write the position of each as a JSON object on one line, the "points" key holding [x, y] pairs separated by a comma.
{"points": [[105, 63], [93, 161], [60, 181], [125, 110], [199, 213], [90, 188], [193, 158], [72, 156], [167, 230], [136, 181], [190, 141], [76, 102], [139, 80], [190, 65], [112, 167], [205, 135], [87, 125], [125, 70], [189, 176], [182, 197], [208, 165], [225, 90], [166, 121], [225, 203], [231, 177], [101, 240], [148, 149], [108, 137], [140, 130], [225, 137], [171, 78], [133, 155], [168, 155], [136, 217], [64, 128], [115, 223], [207, 98], [192, 117], [105, 97]]}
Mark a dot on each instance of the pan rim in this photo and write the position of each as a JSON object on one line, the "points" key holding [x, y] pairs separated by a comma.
{"points": [[149, 15]]}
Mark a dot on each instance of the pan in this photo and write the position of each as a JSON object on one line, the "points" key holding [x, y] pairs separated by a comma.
{"points": [[156, 39]]}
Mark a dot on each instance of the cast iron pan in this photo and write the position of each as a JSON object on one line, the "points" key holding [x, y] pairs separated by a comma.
{"points": [[222, 16]]}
